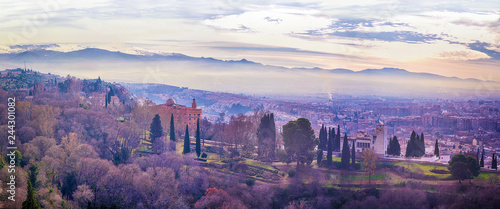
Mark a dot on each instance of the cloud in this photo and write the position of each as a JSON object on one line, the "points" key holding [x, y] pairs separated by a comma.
{"points": [[484, 47], [276, 49], [401, 36], [279, 20], [463, 55]]}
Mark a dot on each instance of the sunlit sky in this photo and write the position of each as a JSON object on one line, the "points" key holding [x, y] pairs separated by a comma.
{"points": [[451, 38]]}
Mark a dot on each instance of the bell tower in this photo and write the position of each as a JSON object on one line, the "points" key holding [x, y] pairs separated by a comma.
{"points": [[193, 105]]}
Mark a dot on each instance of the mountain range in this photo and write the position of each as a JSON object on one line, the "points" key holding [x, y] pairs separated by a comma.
{"points": [[243, 76]]}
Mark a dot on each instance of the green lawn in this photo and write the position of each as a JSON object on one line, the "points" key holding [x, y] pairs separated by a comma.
{"points": [[426, 168], [484, 175], [259, 164]]}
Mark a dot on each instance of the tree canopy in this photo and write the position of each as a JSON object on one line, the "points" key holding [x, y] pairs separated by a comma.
{"points": [[298, 137], [463, 167]]}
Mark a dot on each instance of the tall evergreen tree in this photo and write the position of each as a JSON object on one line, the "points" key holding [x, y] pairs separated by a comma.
{"points": [[494, 162], [337, 140], [389, 147], [396, 147], [106, 101], [198, 138], [436, 149], [345, 153], [172, 128], [410, 145], [322, 141], [415, 146], [353, 154], [422, 144], [329, 148], [156, 130], [481, 163], [187, 148], [266, 135], [30, 202], [319, 155], [416, 151]]}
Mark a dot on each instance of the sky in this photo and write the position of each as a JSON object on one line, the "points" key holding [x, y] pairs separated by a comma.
{"points": [[451, 38]]}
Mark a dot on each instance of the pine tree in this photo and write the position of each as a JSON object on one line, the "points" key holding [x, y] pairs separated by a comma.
{"points": [[198, 139], [329, 148], [494, 162], [436, 149], [187, 148], [353, 154], [172, 128], [30, 202], [345, 153]]}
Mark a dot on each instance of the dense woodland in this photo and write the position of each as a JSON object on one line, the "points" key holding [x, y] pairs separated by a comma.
{"points": [[75, 154]]}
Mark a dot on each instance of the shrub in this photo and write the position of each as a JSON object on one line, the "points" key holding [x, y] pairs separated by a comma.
{"points": [[204, 155], [291, 172], [250, 182]]}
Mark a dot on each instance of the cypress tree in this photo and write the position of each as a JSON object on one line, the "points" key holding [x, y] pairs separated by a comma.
{"points": [[337, 140], [416, 151], [30, 202], [436, 149], [321, 137], [198, 139], [187, 149], [396, 147], [422, 145], [410, 145], [266, 138], [329, 148], [482, 160], [319, 156], [390, 147], [345, 153], [156, 130], [494, 162], [172, 128], [353, 154]]}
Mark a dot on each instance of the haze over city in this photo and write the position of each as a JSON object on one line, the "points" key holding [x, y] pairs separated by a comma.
{"points": [[449, 38]]}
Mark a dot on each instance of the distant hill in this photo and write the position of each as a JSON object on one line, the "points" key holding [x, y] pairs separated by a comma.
{"points": [[244, 76]]}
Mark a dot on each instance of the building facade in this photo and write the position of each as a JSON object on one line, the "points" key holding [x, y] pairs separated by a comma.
{"points": [[182, 114], [380, 140]]}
